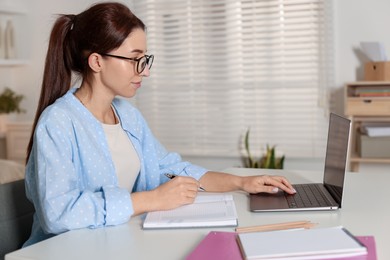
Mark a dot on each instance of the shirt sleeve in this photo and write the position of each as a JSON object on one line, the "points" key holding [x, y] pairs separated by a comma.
{"points": [[171, 162], [62, 198]]}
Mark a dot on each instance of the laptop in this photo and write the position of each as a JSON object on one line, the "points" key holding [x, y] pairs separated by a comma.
{"points": [[315, 196]]}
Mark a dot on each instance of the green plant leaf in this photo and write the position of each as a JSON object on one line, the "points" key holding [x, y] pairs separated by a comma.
{"points": [[268, 160], [272, 158], [10, 102], [280, 163], [250, 163]]}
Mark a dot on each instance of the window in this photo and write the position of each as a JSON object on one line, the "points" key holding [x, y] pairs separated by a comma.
{"points": [[224, 66]]}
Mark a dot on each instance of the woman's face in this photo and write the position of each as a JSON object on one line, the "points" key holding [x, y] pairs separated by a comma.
{"points": [[120, 75]]}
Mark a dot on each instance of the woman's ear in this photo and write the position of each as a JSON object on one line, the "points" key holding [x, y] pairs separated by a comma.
{"points": [[95, 61]]}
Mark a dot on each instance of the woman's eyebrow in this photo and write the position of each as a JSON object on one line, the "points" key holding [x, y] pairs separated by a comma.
{"points": [[138, 51]]}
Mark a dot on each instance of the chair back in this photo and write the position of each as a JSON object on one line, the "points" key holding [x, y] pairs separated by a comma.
{"points": [[16, 216]]}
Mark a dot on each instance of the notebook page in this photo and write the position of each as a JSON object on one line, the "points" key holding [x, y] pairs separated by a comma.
{"points": [[208, 210]]}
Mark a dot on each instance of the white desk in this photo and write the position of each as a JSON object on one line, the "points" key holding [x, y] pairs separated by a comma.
{"points": [[128, 241]]}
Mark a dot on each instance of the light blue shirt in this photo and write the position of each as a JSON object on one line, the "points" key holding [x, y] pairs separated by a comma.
{"points": [[70, 175]]}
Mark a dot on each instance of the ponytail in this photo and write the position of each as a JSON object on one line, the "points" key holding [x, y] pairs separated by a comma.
{"points": [[57, 73]]}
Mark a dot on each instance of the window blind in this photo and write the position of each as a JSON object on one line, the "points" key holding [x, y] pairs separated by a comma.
{"points": [[224, 66]]}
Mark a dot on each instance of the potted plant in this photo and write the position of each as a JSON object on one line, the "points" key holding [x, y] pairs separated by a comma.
{"points": [[9, 103], [268, 160]]}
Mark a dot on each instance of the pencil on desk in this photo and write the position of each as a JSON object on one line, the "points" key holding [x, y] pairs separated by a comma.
{"points": [[278, 226]]}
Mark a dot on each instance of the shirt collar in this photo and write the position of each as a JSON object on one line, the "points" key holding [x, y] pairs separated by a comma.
{"points": [[128, 115]]}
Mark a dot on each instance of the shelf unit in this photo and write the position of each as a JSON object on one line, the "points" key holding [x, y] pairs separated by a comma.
{"points": [[14, 142], [369, 109]]}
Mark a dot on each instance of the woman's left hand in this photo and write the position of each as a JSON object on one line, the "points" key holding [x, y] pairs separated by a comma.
{"points": [[266, 183]]}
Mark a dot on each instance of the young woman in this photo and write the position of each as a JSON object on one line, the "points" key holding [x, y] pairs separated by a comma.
{"points": [[92, 159]]}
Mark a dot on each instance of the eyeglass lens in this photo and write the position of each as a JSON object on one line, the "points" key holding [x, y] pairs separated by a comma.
{"points": [[143, 62]]}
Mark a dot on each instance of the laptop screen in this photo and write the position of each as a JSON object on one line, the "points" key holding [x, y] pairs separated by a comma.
{"points": [[336, 155]]}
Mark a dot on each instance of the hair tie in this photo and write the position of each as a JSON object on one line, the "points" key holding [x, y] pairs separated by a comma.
{"points": [[72, 20]]}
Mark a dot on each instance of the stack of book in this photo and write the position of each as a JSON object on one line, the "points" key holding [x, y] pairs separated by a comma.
{"points": [[373, 91], [318, 243]]}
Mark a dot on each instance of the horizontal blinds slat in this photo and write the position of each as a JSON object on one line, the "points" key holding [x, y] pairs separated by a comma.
{"points": [[171, 21]]}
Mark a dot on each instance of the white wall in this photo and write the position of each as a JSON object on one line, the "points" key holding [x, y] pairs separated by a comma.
{"points": [[354, 21]]}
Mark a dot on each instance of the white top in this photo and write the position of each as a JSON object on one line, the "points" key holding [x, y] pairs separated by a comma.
{"points": [[126, 160]]}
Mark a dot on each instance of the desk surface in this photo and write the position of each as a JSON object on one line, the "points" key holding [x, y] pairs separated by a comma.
{"points": [[361, 214]]}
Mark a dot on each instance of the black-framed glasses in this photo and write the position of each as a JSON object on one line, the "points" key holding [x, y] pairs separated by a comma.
{"points": [[142, 62]]}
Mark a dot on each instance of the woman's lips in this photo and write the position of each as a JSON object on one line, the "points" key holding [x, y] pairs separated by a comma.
{"points": [[136, 84]]}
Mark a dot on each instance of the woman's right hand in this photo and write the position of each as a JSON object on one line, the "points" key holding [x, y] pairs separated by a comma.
{"points": [[177, 192]]}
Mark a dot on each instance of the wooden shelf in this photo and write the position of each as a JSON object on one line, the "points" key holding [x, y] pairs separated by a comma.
{"points": [[368, 83], [371, 118], [13, 62], [364, 110], [369, 160]]}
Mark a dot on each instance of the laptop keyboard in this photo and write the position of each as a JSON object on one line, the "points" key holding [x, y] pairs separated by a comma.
{"points": [[307, 196]]}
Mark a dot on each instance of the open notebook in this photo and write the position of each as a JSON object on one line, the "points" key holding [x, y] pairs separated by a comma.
{"points": [[208, 210]]}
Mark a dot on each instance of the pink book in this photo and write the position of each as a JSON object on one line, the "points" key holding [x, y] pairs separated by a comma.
{"points": [[217, 245], [223, 245]]}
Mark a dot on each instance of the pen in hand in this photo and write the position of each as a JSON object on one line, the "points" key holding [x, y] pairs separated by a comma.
{"points": [[171, 176]]}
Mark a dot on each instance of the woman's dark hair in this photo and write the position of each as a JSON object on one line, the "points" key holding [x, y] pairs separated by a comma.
{"points": [[99, 29]]}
